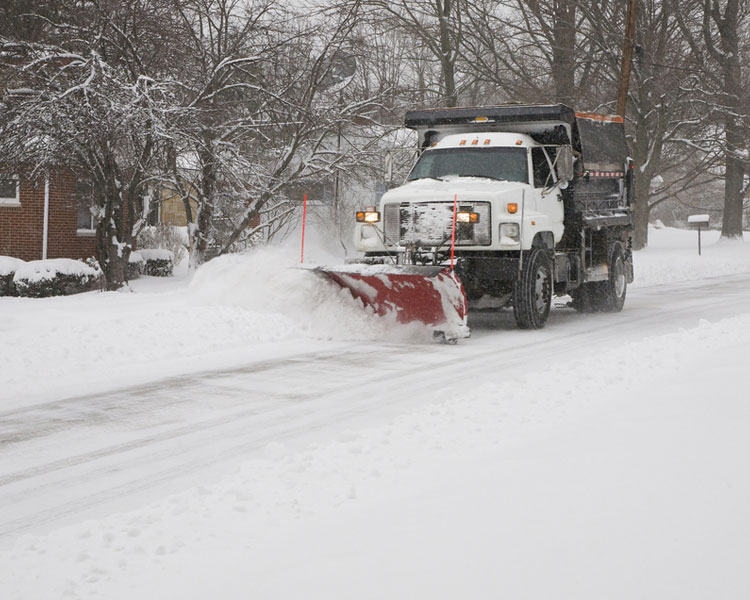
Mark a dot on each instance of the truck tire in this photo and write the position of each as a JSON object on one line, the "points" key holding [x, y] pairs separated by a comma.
{"points": [[605, 296], [609, 296], [532, 293]]}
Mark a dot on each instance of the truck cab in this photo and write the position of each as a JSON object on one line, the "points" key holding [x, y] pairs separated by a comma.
{"points": [[506, 187]]}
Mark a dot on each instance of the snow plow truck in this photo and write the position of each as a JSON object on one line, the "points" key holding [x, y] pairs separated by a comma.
{"points": [[506, 205]]}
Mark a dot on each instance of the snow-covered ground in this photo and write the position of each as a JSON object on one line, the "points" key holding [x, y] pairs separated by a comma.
{"points": [[672, 255], [234, 307], [335, 455]]}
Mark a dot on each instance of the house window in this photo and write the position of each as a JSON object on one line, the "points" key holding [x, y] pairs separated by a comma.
{"points": [[9, 191], [85, 198]]}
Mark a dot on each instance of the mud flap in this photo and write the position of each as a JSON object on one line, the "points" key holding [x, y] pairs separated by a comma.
{"points": [[432, 295]]}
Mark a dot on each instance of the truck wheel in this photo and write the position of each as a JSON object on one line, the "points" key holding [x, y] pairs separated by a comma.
{"points": [[610, 294], [604, 296], [532, 293]]}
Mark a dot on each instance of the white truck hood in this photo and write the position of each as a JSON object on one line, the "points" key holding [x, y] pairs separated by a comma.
{"points": [[466, 188]]}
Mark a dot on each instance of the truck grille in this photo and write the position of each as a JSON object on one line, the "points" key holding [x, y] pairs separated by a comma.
{"points": [[392, 224], [430, 224]]}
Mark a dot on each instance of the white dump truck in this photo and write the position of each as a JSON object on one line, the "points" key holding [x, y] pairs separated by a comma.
{"points": [[514, 203]]}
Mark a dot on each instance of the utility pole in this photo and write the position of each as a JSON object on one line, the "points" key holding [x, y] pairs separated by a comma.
{"points": [[627, 57]]}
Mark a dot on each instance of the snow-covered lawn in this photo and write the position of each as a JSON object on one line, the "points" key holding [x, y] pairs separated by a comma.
{"points": [[229, 313], [672, 255], [619, 475]]}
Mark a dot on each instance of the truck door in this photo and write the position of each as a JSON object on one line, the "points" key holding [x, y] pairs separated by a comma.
{"points": [[547, 195]]}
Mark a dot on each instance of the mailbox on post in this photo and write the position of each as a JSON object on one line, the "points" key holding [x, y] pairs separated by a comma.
{"points": [[699, 222]]}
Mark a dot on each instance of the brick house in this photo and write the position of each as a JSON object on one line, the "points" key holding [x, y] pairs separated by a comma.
{"points": [[45, 218], [40, 218]]}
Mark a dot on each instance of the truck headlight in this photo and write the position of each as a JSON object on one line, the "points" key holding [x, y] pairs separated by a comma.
{"points": [[467, 217], [510, 233], [369, 215]]}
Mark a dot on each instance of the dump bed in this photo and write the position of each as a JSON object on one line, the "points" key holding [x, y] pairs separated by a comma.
{"points": [[599, 140]]}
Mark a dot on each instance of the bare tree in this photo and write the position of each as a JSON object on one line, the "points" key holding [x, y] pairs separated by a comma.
{"points": [[93, 102], [436, 26], [570, 51], [224, 41], [534, 51], [716, 32], [660, 109], [263, 115]]}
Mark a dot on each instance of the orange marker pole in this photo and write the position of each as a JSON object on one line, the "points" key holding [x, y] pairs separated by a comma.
{"points": [[304, 218], [453, 229]]}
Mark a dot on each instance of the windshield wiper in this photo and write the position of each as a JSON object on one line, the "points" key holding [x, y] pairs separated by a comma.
{"points": [[485, 177], [428, 177]]}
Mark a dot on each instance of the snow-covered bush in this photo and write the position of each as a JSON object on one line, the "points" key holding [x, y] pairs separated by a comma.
{"points": [[56, 277], [136, 265], [8, 268], [159, 262], [169, 237]]}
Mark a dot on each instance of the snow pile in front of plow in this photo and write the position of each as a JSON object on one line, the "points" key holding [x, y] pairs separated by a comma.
{"points": [[293, 299]]}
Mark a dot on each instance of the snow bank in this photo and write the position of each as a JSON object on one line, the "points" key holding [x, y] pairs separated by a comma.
{"points": [[118, 339], [112, 340], [42, 270], [9, 265], [270, 283], [672, 256]]}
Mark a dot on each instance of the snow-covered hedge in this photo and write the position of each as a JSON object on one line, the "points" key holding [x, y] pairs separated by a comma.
{"points": [[159, 262], [170, 237], [136, 265], [55, 277], [8, 268]]}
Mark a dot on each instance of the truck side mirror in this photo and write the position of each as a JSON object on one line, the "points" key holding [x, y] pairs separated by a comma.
{"points": [[565, 163], [388, 167]]}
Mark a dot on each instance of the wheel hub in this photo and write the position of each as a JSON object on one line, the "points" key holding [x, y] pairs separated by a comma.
{"points": [[541, 291], [619, 279]]}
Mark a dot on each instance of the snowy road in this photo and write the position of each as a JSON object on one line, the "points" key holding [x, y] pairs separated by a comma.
{"points": [[84, 457]]}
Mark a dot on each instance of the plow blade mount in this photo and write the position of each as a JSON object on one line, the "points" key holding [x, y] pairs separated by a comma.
{"points": [[432, 295]]}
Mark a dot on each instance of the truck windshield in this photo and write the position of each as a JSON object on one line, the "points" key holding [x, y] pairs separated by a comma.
{"points": [[509, 164]]}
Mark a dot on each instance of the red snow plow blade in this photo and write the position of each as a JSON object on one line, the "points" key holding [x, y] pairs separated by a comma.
{"points": [[432, 295]]}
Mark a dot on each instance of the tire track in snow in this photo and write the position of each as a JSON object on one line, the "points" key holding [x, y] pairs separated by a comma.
{"points": [[388, 369]]}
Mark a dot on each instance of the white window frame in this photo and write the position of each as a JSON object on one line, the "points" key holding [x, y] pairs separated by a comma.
{"points": [[8, 201], [91, 230], [88, 231]]}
